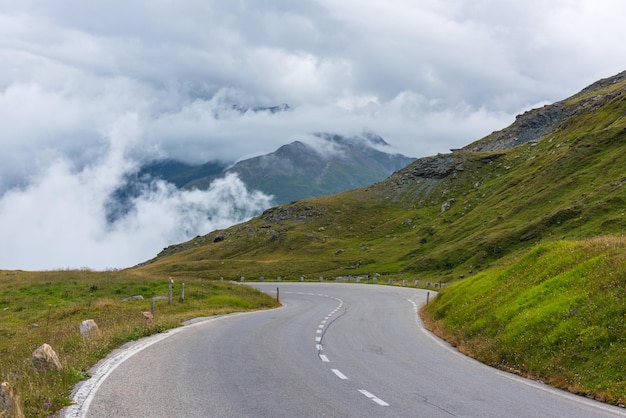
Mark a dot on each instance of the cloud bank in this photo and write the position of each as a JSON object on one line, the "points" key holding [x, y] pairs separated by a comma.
{"points": [[59, 219], [89, 91]]}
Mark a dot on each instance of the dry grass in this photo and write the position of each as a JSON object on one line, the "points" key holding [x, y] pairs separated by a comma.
{"points": [[48, 307]]}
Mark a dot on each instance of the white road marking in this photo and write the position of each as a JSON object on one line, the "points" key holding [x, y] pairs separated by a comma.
{"points": [[318, 339], [319, 347], [319, 331], [374, 398], [539, 386], [86, 391], [339, 374], [324, 358]]}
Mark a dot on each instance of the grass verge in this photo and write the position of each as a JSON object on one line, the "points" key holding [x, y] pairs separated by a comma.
{"points": [[48, 307], [555, 314]]}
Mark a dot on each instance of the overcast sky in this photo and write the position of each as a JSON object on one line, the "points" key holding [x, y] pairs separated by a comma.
{"points": [[89, 90]]}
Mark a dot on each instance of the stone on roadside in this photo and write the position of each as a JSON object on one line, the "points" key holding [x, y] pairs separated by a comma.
{"points": [[89, 329], [9, 402], [148, 319], [45, 358]]}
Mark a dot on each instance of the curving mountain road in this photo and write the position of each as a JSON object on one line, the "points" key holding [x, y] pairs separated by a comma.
{"points": [[332, 350]]}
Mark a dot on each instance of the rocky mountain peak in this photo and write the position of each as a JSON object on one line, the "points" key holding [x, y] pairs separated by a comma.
{"points": [[538, 123]]}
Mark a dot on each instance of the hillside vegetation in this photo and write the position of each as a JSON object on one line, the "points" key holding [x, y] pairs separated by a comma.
{"points": [[556, 314], [524, 225], [48, 307]]}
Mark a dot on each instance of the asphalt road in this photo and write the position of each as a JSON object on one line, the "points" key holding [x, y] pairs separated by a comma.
{"points": [[332, 350]]}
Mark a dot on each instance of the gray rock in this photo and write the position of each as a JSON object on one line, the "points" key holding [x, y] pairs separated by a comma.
{"points": [[9, 402], [447, 204], [45, 358], [148, 319], [89, 329]]}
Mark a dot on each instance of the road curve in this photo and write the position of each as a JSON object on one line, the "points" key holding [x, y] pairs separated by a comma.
{"points": [[332, 350]]}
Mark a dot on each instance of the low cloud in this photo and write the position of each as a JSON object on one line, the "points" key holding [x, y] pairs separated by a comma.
{"points": [[59, 219]]}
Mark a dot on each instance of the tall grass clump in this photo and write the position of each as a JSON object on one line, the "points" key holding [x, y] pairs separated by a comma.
{"points": [[556, 314]]}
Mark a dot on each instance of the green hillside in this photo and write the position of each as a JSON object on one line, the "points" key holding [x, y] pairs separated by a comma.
{"points": [[444, 217], [556, 314], [478, 219]]}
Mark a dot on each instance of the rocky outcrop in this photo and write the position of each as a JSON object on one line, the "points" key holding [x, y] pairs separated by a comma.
{"points": [[538, 123], [292, 212], [529, 126]]}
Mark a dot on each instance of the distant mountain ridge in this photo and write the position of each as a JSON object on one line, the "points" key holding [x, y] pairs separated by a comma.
{"points": [[298, 170], [301, 170]]}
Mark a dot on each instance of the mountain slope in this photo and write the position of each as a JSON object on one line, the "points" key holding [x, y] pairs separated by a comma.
{"points": [[330, 165], [121, 201], [181, 173], [556, 314], [447, 215], [534, 231]]}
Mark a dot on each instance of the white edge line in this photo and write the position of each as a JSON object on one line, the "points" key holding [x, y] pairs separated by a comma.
{"points": [[85, 393], [519, 379]]}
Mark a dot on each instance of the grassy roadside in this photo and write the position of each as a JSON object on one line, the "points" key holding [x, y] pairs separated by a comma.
{"points": [[556, 314], [48, 307]]}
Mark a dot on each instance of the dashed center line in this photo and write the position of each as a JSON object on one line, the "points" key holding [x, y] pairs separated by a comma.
{"points": [[374, 398], [324, 323], [324, 358]]}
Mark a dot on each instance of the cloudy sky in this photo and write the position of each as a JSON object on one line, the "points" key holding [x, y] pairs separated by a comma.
{"points": [[89, 90]]}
